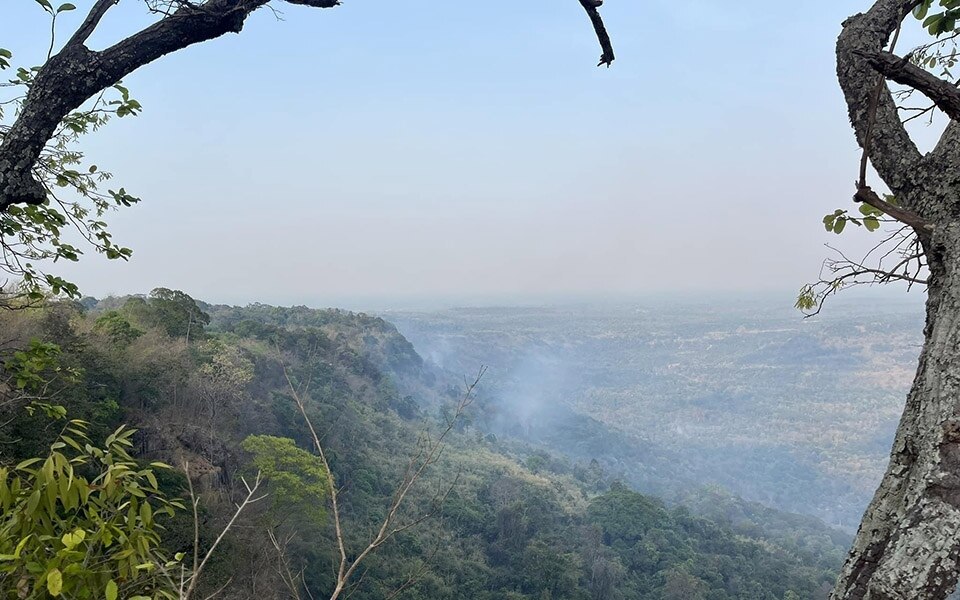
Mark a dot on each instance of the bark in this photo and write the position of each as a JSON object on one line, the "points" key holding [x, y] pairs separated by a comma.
{"points": [[908, 544]]}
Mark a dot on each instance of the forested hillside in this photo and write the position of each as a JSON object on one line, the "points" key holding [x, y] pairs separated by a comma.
{"points": [[736, 392], [206, 389]]}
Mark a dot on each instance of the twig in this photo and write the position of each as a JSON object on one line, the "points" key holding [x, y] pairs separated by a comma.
{"points": [[250, 499]]}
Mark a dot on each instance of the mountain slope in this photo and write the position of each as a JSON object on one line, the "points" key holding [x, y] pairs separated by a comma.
{"points": [[519, 523]]}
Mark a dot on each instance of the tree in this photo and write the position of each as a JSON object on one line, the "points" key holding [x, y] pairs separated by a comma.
{"points": [[679, 584], [297, 480], [76, 91], [173, 311], [909, 541]]}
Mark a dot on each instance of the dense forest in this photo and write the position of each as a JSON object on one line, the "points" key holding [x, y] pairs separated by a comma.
{"points": [[208, 390]]}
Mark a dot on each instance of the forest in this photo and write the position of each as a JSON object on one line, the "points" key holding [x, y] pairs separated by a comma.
{"points": [[201, 387]]}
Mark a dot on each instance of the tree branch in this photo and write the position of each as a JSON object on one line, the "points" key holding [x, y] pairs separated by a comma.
{"points": [[866, 195], [943, 93], [603, 37], [76, 74], [251, 498], [874, 117], [90, 24]]}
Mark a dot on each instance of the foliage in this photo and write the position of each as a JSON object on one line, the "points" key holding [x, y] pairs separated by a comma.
{"points": [[34, 236], [81, 522], [117, 328], [504, 531], [296, 478], [869, 218], [29, 367], [172, 311], [940, 22], [28, 375]]}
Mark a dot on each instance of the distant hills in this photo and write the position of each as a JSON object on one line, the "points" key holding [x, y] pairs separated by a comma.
{"points": [[797, 414]]}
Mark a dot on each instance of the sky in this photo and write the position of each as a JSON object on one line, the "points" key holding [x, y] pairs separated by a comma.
{"points": [[394, 152]]}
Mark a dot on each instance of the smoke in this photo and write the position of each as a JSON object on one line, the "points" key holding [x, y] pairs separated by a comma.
{"points": [[532, 395]]}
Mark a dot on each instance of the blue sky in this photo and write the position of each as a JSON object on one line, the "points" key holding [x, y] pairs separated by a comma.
{"points": [[472, 151]]}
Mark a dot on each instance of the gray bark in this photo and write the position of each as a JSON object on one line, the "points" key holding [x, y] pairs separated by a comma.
{"points": [[908, 544]]}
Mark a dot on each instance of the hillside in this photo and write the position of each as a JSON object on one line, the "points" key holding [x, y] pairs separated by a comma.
{"points": [[797, 414], [521, 521]]}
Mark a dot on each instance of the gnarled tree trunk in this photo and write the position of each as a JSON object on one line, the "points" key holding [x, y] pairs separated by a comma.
{"points": [[908, 544]]}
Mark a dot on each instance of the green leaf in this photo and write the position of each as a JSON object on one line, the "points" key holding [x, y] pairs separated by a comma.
{"points": [[55, 582], [66, 6], [16, 553], [27, 463], [111, 591], [871, 223], [839, 225], [73, 539], [32, 502], [829, 221]]}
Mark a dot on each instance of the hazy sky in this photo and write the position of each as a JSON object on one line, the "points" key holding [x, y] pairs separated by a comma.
{"points": [[472, 150]]}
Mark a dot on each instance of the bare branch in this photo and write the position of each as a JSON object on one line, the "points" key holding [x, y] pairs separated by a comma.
{"points": [[590, 6], [286, 573], [250, 499], [843, 272]]}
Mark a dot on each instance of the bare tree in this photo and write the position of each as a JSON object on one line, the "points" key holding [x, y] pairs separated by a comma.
{"points": [[190, 577], [908, 544], [428, 452]]}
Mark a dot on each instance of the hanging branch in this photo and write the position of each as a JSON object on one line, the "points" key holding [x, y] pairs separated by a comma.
{"points": [[603, 37], [873, 268]]}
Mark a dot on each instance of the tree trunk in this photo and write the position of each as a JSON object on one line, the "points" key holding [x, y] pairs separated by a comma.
{"points": [[908, 544], [909, 540]]}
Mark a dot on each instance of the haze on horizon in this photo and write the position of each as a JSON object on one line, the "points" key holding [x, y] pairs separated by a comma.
{"points": [[471, 151]]}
